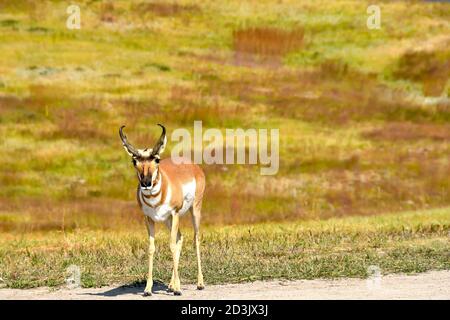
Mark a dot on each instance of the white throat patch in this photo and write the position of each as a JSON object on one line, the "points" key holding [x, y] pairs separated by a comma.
{"points": [[155, 188]]}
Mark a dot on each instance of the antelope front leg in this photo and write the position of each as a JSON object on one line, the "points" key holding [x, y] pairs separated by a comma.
{"points": [[170, 287], [151, 250], [179, 246], [176, 240]]}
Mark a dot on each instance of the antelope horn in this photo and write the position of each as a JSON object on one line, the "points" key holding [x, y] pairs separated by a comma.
{"points": [[161, 144], [128, 147]]}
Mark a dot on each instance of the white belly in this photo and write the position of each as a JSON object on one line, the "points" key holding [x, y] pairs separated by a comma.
{"points": [[188, 197], [158, 214], [162, 212]]}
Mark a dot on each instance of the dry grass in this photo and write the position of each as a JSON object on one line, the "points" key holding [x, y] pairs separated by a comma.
{"points": [[265, 43], [408, 242], [107, 12], [333, 94], [166, 9], [68, 215], [410, 132], [189, 105], [431, 68], [351, 142], [73, 126]]}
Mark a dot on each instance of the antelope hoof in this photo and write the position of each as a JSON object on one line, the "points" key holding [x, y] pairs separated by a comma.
{"points": [[177, 293], [200, 287], [147, 294]]}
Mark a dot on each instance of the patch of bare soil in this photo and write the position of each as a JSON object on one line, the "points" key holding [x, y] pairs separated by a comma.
{"points": [[430, 285]]}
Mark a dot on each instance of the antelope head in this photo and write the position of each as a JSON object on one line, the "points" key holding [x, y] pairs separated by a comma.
{"points": [[145, 161]]}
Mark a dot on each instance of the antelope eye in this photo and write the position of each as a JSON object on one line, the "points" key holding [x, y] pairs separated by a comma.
{"points": [[157, 160], [133, 161]]}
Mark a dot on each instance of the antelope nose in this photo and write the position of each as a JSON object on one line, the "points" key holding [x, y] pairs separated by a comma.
{"points": [[146, 184]]}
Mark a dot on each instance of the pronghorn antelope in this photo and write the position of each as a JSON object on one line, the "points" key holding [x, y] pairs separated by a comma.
{"points": [[166, 191]]}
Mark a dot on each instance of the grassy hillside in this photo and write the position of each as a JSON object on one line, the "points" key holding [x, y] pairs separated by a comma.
{"points": [[364, 120], [358, 133]]}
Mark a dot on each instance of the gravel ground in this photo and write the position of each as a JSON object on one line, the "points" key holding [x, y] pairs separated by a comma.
{"points": [[430, 285]]}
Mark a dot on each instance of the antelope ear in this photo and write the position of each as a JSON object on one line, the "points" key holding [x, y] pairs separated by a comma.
{"points": [[161, 144], [129, 153]]}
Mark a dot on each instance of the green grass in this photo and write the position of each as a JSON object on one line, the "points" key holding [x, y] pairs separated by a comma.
{"points": [[409, 242]]}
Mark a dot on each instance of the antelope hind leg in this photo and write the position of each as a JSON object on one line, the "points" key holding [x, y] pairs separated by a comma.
{"points": [[196, 215], [176, 241]]}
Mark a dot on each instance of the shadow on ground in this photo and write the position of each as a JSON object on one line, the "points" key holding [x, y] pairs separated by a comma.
{"points": [[136, 288]]}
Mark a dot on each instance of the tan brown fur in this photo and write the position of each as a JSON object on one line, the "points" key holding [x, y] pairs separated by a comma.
{"points": [[174, 175], [173, 179]]}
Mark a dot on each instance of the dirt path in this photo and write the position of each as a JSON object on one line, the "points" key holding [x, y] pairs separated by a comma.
{"points": [[430, 285]]}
